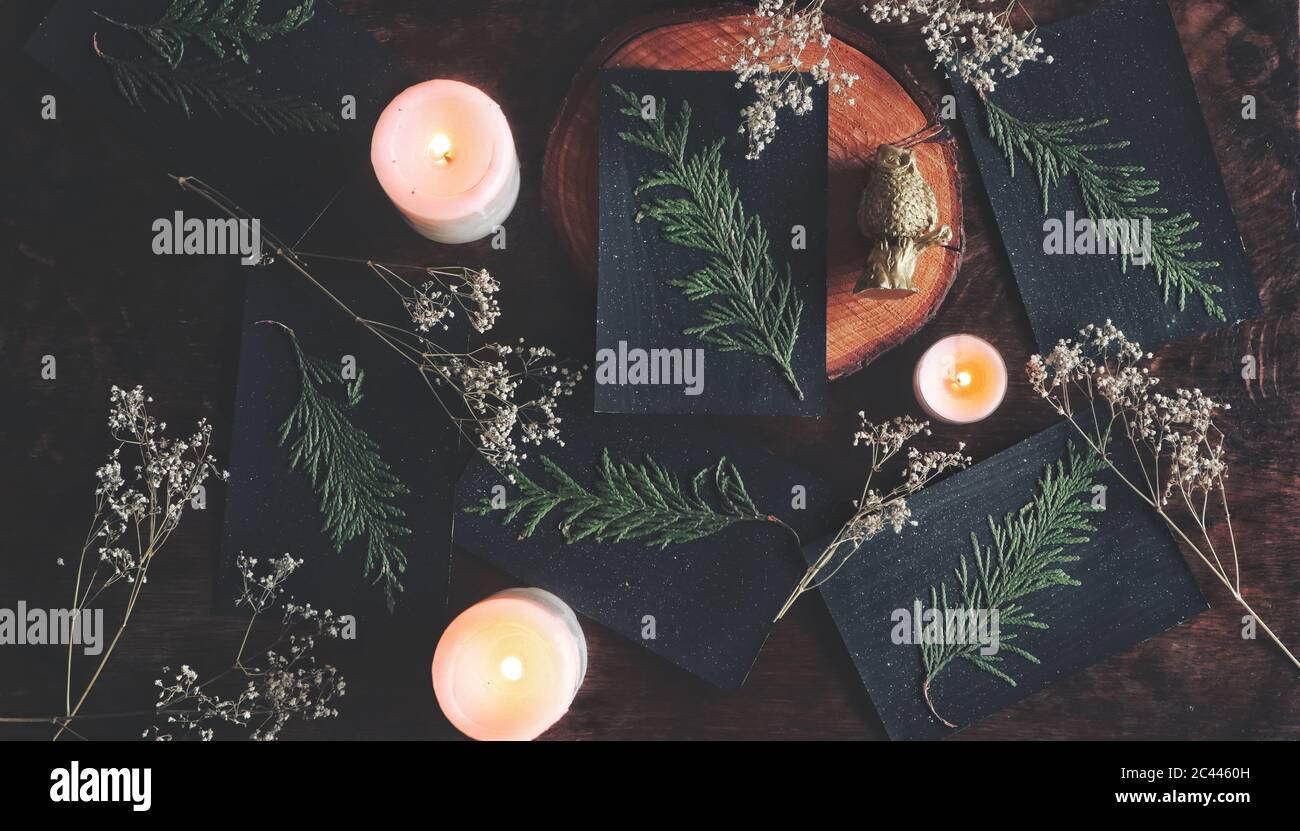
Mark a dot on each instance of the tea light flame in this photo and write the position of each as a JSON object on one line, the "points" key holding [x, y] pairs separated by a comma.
{"points": [[512, 668], [440, 147], [963, 379]]}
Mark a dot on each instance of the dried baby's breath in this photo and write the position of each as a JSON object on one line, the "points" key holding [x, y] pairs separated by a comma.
{"points": [[502, 397], [879, 511], [974, 37], [1102, 385], [771, 61], [283, 682]]}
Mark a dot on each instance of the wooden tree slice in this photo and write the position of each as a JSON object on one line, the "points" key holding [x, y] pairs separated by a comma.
{"points": [[888, 107]]}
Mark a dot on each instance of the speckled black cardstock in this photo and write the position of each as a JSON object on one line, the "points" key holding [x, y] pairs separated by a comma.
{"points": [[785, 187], [707, 605], [1135, 584], [1123, 63]]}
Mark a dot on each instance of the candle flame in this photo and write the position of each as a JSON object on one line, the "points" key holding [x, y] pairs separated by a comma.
{"points": [[963, 379], [512, 668], [440, 147]]}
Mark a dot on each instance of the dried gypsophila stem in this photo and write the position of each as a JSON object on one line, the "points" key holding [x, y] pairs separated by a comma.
{"points": [[772, 62], [877, 511], [979, 44], [135, 513], [283, 682], [1176, 445], [506, 396]]}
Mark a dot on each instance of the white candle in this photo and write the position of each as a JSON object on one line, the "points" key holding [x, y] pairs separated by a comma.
{"points": [[508, 667], [444, 154], [960, 379]]}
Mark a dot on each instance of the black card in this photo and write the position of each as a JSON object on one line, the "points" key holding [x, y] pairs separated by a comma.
{"points": [[1135, 584], [272, 509], [705, 605], [289, 176], [1122, 63], [641, 316]]}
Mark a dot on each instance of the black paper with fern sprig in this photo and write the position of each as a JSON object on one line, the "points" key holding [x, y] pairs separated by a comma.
{"points": [[289, 175], [1112, 125], [706, 599], [704, 251], [1132, 584], [356, 487]]}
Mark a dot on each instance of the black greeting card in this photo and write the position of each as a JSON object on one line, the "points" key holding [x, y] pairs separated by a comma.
{"points": [[1122, 64], [718, 303], [272, 508], [1133, 583], [704, 605], [290, 175]]}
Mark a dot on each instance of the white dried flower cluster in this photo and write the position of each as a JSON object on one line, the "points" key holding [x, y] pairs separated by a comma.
{"points": [[1177, 467], [773, 63], [1181, 447], [284, 682], [977, 43], [151, 498], [877, 511], [472, 291], [508, 392]]}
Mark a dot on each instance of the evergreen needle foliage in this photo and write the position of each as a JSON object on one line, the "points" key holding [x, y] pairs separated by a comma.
{"points": [[633, 502], [752, 307], [221, 29], [354, 484], [1027, 553], [1108, 191], [219, 85]]}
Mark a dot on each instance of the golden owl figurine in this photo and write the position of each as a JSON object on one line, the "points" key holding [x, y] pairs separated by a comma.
{"points": [[897, 215]]}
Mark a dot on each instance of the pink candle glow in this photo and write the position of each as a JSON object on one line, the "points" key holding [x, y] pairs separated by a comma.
{"points": [[443, 152], [508, 667], [960, 380]]}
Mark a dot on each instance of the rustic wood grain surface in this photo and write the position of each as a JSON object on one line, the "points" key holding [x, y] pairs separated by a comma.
{"points": [[81, 284]]}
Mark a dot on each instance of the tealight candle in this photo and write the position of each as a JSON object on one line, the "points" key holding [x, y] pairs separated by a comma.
{"points": [[960, 379], [443, 152], [508, 667]]}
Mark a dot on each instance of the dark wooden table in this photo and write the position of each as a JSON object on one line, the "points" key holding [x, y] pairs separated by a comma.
{"points": [[80, 284]]}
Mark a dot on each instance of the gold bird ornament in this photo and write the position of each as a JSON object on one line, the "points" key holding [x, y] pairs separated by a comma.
{"points": [[897, 215]]}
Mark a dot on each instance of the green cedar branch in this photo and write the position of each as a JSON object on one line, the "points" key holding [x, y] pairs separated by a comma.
{"points": [[1028, 551], [221, 29], [1108, 192], [752, 307], [221, 86], [632, 501], [354, 484]]}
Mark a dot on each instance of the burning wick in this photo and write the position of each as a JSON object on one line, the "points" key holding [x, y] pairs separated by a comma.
{"points": [[963, 379], [440, 148], [512, 668]]}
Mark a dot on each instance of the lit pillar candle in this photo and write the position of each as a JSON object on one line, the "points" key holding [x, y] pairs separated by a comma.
{"points": [[443, 152], [508, 667], [961, 379]]}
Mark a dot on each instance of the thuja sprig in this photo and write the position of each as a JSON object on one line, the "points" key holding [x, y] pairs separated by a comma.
{"points": [[354, 484], [223, 87], [751, 306], [1101, 384], [1026, 553], [222, 29], [1109, 192], [632, 501]]}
